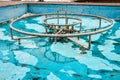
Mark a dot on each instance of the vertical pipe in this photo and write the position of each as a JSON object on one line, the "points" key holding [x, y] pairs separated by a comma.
{"points": [[83, 50], [58, 17], [55, 31], [66, 21], [78, 36], [80, 26], [89, 45], [11, 33], [79, 30], [46, 16], [19, 41], [46, 29], [72, 27], [100, 23], [55, 40], [59, 26], [45, 24]]}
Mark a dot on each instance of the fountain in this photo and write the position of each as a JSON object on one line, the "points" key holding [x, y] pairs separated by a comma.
{"points": [[61, 25]]}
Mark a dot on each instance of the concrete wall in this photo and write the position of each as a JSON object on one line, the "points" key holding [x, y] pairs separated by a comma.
{"points": [[9, 12], [106, 11]]}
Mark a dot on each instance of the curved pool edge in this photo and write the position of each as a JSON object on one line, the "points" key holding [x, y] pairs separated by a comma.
{"points": [[11, 3]]}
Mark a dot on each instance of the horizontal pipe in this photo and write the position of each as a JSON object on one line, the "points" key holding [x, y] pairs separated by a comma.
{"points": [[62, 35]]}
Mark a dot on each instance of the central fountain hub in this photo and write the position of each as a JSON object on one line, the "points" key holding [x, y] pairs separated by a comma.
{"points": [[61, 23]]}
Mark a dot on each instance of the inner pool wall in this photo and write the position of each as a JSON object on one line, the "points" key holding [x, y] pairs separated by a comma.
{"points": [[9, 12], [14, 11], [106, 11]]}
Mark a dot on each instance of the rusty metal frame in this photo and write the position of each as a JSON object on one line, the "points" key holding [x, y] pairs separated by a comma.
{"points": [[57, 34], [61, 35]]}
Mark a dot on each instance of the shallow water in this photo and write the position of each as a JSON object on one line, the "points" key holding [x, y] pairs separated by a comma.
{"points": [[42, 59]]}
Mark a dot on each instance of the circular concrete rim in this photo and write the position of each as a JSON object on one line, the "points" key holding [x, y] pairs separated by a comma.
{"points": [[61, 35]]}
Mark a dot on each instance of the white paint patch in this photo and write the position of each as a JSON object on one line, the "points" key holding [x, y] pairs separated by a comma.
{"points": [[1, 32], [27, 44], [42, 43], [25, 58], [9, 71], [94, 63], [95, 76], [117, 35], [95, 37], [51, 76], [5, 52], [39, 19], [6, 58], [3, 36], [42, 50], [62, 70], [70, 72], [107, 49], [35, 27], [79, 41], [88, 22], [2, 29]]}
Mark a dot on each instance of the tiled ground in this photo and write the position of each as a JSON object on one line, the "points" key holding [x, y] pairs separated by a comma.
{"points": [[41, 59]]}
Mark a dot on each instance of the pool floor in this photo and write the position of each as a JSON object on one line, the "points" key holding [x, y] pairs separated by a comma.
{"points": [[42, 59]]}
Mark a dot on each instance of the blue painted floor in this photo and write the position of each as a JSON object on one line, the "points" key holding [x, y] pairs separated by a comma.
{"points": [[42, 59]]}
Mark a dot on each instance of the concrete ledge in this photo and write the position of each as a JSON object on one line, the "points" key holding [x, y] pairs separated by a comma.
{"points": [[10, 3]]}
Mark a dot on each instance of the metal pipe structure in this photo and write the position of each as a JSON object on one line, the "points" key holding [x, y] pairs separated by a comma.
{"points": [[62, 35], [67, 31]]}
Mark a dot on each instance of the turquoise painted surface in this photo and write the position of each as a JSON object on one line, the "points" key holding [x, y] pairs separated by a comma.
{"points": [[41, 59], [106, 11], [10, 12]]}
